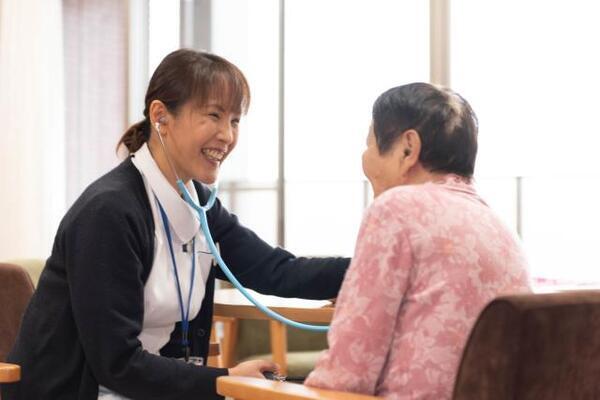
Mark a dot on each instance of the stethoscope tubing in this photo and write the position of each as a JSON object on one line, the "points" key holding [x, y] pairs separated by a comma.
{"points": [[201, 211]]}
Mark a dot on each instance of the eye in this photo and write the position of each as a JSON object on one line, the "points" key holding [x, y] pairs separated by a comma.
{"points": [[235, 122], [215, 116]]}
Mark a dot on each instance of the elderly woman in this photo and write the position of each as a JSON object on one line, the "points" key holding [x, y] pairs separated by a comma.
{"points": [[430, 253]]}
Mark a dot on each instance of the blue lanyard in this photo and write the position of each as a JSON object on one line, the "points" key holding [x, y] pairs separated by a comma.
{"points": [[185, 315]]}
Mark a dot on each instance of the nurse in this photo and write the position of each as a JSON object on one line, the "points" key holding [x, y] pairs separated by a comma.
{"points": [[123, 308]]}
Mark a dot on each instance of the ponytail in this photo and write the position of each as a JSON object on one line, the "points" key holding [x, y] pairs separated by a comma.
{"points": [[135, 136]]}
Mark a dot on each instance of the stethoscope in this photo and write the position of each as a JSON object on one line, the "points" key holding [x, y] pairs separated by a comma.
{"points": [[201, 211]]}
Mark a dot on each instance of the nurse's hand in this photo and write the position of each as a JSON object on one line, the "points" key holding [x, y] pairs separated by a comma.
{"points": [[254, 368]]}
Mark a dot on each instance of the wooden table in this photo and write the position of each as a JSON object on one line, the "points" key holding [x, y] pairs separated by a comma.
{"points": [[231, 305]]}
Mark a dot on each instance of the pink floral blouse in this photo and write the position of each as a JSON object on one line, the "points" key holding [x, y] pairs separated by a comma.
{"points": [[428, 259]]}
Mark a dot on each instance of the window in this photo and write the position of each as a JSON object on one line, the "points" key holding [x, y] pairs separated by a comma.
{"points": [[339, 56], [247, 33], [529, 70], [163, 31]]}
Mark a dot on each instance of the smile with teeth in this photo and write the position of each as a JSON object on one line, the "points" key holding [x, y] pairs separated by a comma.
{"points": [[214, 154]]}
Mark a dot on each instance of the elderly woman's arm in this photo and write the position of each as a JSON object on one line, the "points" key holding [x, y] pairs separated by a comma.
{"points": [[367, 310]]}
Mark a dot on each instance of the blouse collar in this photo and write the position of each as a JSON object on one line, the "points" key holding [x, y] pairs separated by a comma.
{"points": [[458, 183], [181, 216]]}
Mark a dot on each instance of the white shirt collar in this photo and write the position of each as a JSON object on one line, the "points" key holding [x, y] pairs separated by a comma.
{"points": [[182, 217]]}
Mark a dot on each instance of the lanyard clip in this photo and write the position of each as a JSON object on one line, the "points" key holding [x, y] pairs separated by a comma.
{"points": [[186, 353]]}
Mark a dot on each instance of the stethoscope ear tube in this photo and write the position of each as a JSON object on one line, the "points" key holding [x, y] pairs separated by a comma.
{"points": [[201, 211]]}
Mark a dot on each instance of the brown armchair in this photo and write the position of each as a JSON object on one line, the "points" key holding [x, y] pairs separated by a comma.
{"points": [[9, 373], [529, 347], [16, 289]]}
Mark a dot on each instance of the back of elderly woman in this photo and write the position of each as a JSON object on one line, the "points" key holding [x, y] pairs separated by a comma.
{"points": [[430, 253]]}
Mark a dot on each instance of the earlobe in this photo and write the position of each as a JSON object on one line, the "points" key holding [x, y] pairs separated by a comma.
{"points": [[161, 121], [412, 143]]}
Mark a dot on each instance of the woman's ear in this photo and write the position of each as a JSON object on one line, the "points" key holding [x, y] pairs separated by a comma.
{"points": [[410, 143], [158, 113]]}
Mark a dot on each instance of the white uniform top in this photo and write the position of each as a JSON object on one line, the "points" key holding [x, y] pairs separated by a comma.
{"points": [[161, 302]]}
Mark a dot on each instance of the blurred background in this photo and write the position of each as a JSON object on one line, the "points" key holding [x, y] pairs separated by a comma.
{"points": [[73, 75]]}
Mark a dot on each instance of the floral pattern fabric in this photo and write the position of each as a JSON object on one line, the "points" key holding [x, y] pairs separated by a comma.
{"points": [[428, 258]]}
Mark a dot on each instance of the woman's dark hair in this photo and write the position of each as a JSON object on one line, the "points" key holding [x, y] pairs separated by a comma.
{"points": [[444, 120], [187, 75]]}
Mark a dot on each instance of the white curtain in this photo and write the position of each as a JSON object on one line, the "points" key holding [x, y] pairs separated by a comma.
{"points": [[96, 88], [63, 106], [32, 156]]}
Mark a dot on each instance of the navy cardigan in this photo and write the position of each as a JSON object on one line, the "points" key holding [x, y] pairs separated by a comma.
{"points": [[81, 326]]}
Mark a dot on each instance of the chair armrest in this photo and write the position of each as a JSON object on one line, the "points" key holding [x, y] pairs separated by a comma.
{"points": [[9, 373], [243, 388], [214, 349]]}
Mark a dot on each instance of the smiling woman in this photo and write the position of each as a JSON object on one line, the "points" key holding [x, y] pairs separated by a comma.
{"points": [[191, 92], [125, 300]]}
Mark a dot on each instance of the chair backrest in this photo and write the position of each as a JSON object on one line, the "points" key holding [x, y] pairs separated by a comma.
{"points": [[536, 346], [16, 289], [33, 266]]}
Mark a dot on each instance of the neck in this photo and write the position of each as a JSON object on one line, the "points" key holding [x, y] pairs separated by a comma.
{"points": [[417, 175], [158, 153], [422, 175]]}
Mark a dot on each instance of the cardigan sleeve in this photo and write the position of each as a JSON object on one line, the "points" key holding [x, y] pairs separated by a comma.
{"points": [[269, 270], [103, 248]]}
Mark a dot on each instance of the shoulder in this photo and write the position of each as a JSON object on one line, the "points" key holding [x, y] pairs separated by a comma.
{"points": [[113, 213], [119, 194], [396, 202], [408, 194], [407, 202], [401, 212]]}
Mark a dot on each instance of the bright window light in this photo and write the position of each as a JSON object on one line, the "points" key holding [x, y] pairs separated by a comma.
{"points": [[530, 71], [339, 56], [163, 34]]}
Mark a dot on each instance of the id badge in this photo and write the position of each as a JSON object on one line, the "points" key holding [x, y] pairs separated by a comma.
{"points": [[198, 361]]}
